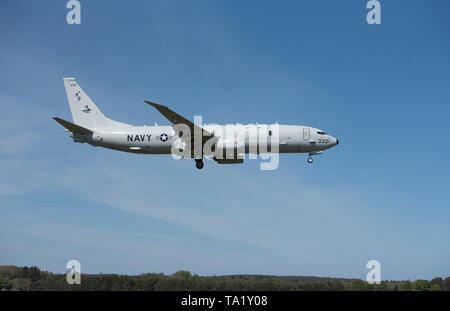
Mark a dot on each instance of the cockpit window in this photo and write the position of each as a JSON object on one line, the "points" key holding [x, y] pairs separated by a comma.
{"points": [[321, 133]]}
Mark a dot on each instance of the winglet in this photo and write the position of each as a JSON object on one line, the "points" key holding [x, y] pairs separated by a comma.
{"points": [[72, 127]]}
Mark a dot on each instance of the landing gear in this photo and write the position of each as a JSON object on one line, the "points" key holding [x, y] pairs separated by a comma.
{"points": [[310, 159], [199, 163]]}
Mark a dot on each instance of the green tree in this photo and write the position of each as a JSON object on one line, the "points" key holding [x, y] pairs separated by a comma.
{"points": [[422, 285], [438, 282], [406, 286], [182, 274], [4, 284], [446, 285], [435, 288], [20, 284], [357, 285], [383, 286]]}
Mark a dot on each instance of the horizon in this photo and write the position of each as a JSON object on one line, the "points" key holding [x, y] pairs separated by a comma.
{"points": [[227, 275]]}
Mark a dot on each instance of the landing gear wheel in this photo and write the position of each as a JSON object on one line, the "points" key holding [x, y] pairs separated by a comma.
{"points": [[199, 164], [310, 160]]}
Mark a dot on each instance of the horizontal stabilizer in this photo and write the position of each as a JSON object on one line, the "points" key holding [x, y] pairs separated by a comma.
{"points": [[73, 127]]}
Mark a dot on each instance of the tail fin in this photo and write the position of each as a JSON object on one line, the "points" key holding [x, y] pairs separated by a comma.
{"points": [[84, 112]]}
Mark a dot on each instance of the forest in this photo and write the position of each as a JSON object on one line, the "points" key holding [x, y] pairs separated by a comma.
{"points": [[14, 278]]}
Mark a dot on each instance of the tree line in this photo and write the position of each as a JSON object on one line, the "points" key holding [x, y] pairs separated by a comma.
{"points": [[32, 278]]}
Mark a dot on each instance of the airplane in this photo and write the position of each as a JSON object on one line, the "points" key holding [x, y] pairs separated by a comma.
{"points": [[91, 126]]}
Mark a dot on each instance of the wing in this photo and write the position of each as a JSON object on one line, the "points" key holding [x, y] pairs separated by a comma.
{"points": [[175, 118]]}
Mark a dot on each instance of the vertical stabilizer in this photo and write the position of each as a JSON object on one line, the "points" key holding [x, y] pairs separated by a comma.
{"points": [[84, 112]]}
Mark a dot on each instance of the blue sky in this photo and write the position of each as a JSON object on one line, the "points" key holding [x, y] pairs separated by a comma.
{"points": [[383, 90]]}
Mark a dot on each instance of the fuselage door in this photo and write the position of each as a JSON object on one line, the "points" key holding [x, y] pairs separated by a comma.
{"points": [[306, 134]]}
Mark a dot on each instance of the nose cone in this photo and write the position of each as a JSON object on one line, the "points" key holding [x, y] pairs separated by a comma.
{"points": [[337, 141]]}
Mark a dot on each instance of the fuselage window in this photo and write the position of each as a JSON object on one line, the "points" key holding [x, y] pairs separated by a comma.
{"points": [[270, 133]]}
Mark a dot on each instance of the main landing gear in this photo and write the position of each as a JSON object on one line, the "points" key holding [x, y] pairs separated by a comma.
{"points": [[199, 163]]}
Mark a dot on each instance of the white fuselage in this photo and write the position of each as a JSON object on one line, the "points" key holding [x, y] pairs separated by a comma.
{"points": [[159, 139]]}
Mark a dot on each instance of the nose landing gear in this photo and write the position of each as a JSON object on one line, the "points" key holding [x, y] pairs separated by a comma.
{"points": [[310, 159]]}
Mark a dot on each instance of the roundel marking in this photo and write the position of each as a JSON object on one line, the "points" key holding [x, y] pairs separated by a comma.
{"points": [[164, 137]]}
